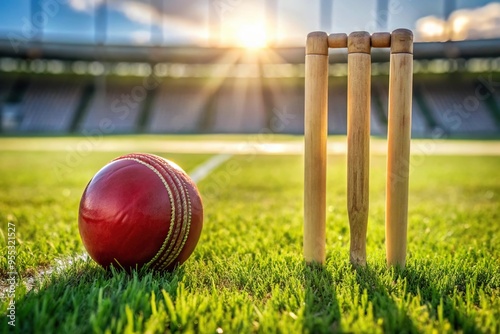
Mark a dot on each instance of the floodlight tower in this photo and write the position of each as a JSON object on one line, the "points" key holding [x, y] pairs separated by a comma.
{"points": [[100, 22], [449, 7], [37, 20], [382, 11], [271, 21], [325, 15], [214, 24]]}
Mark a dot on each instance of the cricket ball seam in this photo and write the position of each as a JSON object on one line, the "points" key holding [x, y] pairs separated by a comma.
{"points": [[168, 256], [171, 198], [186, 226], [165, 260], [186, 206], [189, 219]]}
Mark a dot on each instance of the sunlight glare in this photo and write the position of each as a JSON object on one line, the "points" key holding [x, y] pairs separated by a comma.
{"points": [[251, 36]]}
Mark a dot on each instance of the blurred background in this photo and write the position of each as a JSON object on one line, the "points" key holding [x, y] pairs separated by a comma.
{"points": [[233, 66]]}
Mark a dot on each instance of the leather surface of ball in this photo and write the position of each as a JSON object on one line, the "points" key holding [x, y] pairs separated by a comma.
{"points": [[140, 210]]}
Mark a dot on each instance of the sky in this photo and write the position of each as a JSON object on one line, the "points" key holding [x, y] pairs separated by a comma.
{"points": [[251, 23]]}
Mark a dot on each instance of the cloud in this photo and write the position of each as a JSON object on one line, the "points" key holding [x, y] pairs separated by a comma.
{"points": [[431, 29], [177, 19], [84, 5], [477, 23], [141, 36], [140, 12]]}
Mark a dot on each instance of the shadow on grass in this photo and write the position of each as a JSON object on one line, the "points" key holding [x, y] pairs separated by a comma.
{"points": [[445, 302], [395, 317], [394, 310], [86, 298], [322, 312]]}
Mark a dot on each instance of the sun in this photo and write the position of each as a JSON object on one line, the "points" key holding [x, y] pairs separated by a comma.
{"points": [[251, 36]]}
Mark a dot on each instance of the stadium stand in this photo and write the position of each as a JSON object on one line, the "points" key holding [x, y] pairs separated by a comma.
{"points": [[337, 107], [288, 105], [496, 106], [380, 100], [115, 106], [456, 108], [5, 86], [49, 105], [177, 108], [59, 104], [239, 107], [378, 115], [11, 95]]}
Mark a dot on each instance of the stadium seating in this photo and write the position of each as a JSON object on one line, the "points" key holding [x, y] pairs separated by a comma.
{"points": [[49, 105], [5, 86], [116, 105], [177, 108], [52, 104], [288, 106], [239, 107], [456, 108], [380, 92], [337, 108]]}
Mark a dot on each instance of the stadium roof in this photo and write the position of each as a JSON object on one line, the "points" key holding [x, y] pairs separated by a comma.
{"points": [[202, 55]]}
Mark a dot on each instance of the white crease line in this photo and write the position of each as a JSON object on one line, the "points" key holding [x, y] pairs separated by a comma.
{"points": [[198, 174], [377, 147], [59, 267]]}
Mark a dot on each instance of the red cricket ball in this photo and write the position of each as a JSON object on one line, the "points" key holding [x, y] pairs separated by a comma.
{"points": [[140, 210]]}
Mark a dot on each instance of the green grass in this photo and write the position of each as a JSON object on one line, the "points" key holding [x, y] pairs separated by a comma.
{"points": [[247, 273]]}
